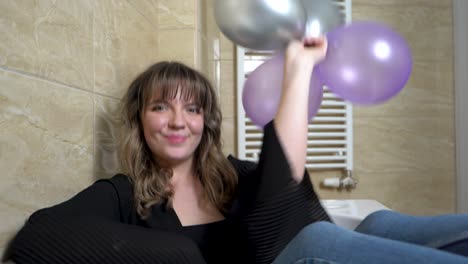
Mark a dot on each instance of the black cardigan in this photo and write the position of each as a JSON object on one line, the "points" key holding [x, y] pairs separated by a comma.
{"points": [[100, 224]]}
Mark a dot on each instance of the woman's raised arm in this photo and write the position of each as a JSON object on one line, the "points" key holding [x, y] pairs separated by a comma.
{"points": [[291, 118]]}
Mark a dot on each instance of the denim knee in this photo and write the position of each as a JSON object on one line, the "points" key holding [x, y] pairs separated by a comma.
{"points": [[381, 214], [317, 229], [319, 237], [374, 222], [315, 243]]}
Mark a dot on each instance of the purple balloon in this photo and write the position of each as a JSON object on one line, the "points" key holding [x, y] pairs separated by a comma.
{"points": [[366, 63], [262, 91]]}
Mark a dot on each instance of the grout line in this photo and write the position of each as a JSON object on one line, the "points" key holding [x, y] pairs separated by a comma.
{"points": [[143, 15], [41, 78], [107, 96], [54, 82]]}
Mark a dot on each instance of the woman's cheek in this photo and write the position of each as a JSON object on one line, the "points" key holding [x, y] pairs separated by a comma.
{"points": [[197, 126]]}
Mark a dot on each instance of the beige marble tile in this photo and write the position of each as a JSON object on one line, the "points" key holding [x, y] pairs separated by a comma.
{"points": [[203, 57], [210, 46], [403, 144], [213, 73], [228, 136], [429, 93], [218, 46], [201, 51], [149, 9], [49, 39], [227, 48], [45, 146], [222, 76], [228, 89], [178, 14], [419, 192], [178, 44], [168, 14], [107, 125], [11, 222], [214, 45], [208, 15], [125, 44], [427, 29], [203, 16], [209, 31]]}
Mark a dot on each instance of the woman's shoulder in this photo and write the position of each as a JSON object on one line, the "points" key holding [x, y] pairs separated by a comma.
{"points": [[242, 167], [121, 183], [119, 178], [123, 187]]}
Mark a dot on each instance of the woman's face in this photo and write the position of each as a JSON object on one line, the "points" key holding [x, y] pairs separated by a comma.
{"points": [[173, 129]]}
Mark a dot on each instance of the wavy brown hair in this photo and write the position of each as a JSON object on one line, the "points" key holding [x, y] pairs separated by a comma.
{"points": [[151, 182]]}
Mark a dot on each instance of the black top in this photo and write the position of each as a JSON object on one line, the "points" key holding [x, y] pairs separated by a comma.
{"points": [[100, 224]]}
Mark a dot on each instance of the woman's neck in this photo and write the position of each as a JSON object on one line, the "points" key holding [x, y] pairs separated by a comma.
{"points": [[183, 174]]}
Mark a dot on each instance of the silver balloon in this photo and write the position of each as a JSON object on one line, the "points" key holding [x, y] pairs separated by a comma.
{"points": [[322, 17], [261, 24]]}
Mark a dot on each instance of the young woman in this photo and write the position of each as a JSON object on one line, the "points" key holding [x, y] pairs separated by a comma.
{"points": [[182, 201]]}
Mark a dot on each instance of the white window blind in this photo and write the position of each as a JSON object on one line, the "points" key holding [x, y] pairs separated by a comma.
{"points": [[330, 133]]}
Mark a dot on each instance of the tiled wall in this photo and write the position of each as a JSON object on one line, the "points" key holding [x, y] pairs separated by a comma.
{"points": [[65, 64], [218, 55]]}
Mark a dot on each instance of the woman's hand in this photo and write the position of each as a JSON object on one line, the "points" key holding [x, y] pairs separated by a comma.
{"points": [[303, 56], [291, 120]]}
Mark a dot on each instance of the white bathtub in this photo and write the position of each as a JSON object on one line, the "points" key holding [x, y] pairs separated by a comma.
{"points": [[349, 213]]}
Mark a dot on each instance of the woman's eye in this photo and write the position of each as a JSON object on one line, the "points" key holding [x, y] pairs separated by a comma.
{"points": [[193, 109], [159, 107]]}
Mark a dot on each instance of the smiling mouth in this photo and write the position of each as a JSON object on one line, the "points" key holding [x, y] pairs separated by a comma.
{"points": [[176, 139]]}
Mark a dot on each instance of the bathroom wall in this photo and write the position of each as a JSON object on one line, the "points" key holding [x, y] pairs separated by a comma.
{"points": [[218, 63], [64, 65]]}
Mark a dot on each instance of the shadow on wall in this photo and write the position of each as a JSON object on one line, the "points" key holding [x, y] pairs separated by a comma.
{"points": [[108, 130]]}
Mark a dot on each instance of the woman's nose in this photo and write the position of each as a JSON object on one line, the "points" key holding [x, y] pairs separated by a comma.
{"points": [[177, 119]]}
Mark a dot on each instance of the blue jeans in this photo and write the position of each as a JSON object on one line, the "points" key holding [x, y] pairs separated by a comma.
{"points": [[383, 237]]}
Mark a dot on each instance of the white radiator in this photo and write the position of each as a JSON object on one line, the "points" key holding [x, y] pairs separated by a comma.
{"points": [[330, 138]]}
